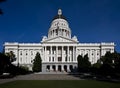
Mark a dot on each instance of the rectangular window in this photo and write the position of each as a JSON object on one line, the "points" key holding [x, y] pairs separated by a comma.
{"points": [[31, 52], [72, 58], [26, 53], [21, 59], [52, 51], [53, 59], [20, 52], [59, 58], [97, 53], [31, 60], [49, 58], [66, 59]]}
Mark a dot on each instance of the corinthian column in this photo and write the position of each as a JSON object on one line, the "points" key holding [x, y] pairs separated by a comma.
{"points": [[63, 59], [67, 53], [45, 54], [56, 59], [51, 52]]}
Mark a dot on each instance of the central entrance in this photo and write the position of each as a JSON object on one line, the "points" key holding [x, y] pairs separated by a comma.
{"points": [[54, 68]]}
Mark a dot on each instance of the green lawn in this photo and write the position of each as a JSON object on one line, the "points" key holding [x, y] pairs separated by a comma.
{"points": [[59, 84]]}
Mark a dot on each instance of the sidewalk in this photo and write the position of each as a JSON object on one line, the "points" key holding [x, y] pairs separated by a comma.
{"points": [[42, 76]]}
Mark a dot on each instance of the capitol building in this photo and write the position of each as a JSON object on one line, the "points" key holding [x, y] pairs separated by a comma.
{"points": [[59, 50]]}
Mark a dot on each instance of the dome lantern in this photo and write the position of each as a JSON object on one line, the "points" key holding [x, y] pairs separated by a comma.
{"points": [[59, 12], [59, 26]]}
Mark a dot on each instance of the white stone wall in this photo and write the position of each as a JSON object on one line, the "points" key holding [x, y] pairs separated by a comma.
{"points": [[94, 50], [25, 53]]}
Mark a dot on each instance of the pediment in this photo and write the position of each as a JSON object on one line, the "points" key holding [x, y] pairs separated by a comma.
{"points": [[60, 39]]}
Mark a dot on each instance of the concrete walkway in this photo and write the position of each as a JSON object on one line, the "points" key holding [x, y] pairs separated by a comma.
{"points": [[41, 76]]}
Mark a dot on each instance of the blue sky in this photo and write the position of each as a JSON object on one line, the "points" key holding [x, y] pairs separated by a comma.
{"points": [[90, 20]]}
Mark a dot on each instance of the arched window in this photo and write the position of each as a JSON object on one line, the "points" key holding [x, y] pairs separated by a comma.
{"points": [[68, 33], [71, 68], [59, 68], [65, 68], [53, 67], [56, 31], [65, 32], [48, 67], [51, 32]]}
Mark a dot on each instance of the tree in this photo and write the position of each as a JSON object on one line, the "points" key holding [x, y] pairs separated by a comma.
{"points": [[1, 12], [116, 61], [37, 63], [7, 66], [83, 63], [96, 66], [11, 55], [87, 62], [107, 59], [111, 62], [4, 63], [79, 59]]}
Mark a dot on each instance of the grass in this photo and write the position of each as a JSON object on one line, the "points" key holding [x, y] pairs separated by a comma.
{"points": [[59, 84]]}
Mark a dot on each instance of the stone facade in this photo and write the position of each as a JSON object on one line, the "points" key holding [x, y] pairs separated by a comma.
{"points": [[58, 50]]}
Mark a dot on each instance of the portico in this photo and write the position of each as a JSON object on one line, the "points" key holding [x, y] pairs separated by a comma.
{"points": [[59, 58], [59, 53]]}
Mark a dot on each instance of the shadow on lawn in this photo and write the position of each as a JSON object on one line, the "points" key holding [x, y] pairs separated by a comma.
{"points": [[90, 76], [13, 71]]}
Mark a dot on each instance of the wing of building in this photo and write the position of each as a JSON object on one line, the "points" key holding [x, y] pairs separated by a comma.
{"points": [[58, 50]]}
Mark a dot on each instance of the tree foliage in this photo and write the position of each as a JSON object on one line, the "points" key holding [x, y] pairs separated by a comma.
{"points": [[4, 62], [83, 63], [7, 67], [108, 64], [11, 55], [111, 59], [107, 59], [1, 12], [97, 65], [79, 59], [37, 63]]}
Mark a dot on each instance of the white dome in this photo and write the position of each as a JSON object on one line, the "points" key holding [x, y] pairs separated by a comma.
{"points": [[59, 27]]}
